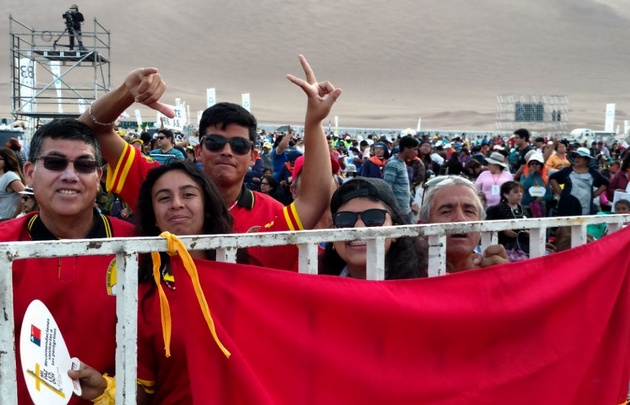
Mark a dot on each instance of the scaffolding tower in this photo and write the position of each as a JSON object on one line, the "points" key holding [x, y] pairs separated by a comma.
{"points": [[541, 114], [48, 79]]}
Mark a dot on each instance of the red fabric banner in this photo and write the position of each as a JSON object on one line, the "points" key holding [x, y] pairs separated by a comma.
{"points": [[552, 330]]}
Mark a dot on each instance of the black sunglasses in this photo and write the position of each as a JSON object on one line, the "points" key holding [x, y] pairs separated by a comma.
{"points": [[161, 137], [26, 198], [347, 219], [58, 164], [216, 143]]}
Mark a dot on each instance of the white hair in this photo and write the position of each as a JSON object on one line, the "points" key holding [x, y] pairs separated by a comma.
{"points": [[437, 183]]}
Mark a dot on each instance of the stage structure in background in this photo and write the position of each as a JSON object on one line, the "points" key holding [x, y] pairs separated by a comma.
{"points": [[542, 114], [50, 81]]}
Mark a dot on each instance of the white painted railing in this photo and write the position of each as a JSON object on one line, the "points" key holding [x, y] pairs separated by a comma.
{"points": [[126, 250]]}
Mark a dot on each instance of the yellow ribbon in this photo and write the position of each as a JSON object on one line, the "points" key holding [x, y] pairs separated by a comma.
{"points": [[176, 247]]}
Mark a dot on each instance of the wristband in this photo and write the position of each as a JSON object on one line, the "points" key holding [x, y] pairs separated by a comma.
{"points": [[97, 122], [108, 397]]}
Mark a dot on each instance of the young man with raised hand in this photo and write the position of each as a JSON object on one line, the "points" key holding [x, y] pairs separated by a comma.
{"points": [[226, 151]]}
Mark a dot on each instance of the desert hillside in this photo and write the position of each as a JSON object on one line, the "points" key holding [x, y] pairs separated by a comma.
{"points": [[395, 60]]}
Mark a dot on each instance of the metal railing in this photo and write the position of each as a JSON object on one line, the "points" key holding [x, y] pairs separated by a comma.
{"points": [[126, 250]]}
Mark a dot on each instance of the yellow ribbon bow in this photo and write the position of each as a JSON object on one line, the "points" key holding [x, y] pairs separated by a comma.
{"points": [[176, 247]]}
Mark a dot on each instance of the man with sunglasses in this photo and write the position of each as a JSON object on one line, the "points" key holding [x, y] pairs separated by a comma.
{"points": [[64, 172], [166, 150], [227, 136]]}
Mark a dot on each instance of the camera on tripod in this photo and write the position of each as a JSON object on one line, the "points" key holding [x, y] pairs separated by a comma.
{"points": [[69, 17]]}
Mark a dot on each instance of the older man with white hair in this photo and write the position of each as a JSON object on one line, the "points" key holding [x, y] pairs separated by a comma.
{"points": [[455, 199]]}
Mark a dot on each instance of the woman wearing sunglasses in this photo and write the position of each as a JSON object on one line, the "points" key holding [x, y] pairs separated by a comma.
{"points": [[366, 202], [269, 186], [11, 183]]}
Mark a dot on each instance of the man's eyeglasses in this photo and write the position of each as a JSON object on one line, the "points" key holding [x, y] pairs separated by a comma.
{"points": [[161, 137], [347, 219], [58, 164], [216, 143], [26, 198]]}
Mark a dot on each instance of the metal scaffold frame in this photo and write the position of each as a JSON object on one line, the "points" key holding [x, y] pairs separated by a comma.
{"points": [[48, 80], [554, 108]]}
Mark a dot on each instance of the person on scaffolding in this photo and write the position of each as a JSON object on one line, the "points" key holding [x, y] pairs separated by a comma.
{"points": [[74, 19]]}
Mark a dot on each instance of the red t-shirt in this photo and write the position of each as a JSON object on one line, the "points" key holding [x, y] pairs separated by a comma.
{"points": [[75, 291], [125, 179]]}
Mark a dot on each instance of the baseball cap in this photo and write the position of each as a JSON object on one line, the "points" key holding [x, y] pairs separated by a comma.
{"points": [[363, 187], [299, 163], [582, 151], [536, 157]]}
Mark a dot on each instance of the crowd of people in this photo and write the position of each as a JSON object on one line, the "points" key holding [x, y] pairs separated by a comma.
{"points": [[234, 178]]}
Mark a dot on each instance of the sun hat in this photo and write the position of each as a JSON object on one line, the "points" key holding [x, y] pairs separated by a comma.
{"points": [[496, 159], [27, 191]]}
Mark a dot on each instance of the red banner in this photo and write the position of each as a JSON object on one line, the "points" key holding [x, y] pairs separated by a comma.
{"points": [[553, 330]]}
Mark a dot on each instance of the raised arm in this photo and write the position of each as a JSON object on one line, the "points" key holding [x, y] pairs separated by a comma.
{"points": [[284, 143], [143, 86], [315, 179]]}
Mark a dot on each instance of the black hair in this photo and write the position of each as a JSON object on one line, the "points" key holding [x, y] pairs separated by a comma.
{"points": [[167, 133], [622, 201], [408, 142], [509, 186], [271, 181], [66, 129], [224, 114], [522, 133]]}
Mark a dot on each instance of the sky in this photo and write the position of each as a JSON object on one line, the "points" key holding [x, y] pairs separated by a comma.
{"points": [[395, 60]]}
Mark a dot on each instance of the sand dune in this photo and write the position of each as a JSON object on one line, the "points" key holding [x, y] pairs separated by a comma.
{"points": [[395, 60]]}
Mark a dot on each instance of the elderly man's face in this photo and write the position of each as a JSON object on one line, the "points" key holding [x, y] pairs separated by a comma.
{"points": [[456, 203]]}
